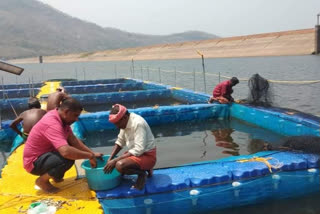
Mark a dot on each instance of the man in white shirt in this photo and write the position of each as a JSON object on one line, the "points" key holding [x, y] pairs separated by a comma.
{"points": [[136, 134]]}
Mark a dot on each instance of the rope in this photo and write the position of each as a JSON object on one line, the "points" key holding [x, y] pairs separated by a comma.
{"points": [[183, 72], [5, 94], [298, 82], [14, 111], [262, 160], [295, 82]]}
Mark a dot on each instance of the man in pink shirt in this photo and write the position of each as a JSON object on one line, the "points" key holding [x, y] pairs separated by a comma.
{"points": [[51, 147], [222, 92]]}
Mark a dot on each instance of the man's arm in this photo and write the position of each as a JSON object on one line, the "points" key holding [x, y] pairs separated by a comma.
{"points": [[115, 151], [111, 163], [61, 96], [77, 143], [73, 153], [14, 124], [64, 96]]}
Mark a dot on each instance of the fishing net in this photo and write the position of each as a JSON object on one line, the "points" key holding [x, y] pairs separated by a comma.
{"points": [[304, 143], [260, 93]]}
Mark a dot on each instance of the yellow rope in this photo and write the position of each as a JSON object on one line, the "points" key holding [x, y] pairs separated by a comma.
{"points": [[262, 160]]}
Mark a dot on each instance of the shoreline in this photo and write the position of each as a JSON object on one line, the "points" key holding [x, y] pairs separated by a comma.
{"points": [[286, 43]]}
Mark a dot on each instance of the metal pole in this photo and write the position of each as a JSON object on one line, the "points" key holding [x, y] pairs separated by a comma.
{"points": [[317, 36], [76, 71], [204, 74], [2, 87], [42, 76], [29, 87], [175, 76], [141, 73], [32, 85], [0, 118], [115, 71], [159, 75], [204, 71], [194, 79], [148, 73], [84, 73], [132, 63]]}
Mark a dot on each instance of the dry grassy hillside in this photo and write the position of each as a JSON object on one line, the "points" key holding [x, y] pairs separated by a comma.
{"points": [[30, 28], [298, 42]]}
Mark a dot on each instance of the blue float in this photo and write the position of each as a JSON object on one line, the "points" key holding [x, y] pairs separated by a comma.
{"points": [[204, 186]]}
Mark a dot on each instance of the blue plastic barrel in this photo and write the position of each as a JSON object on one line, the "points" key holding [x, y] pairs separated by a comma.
{"points": [[97, 179]]}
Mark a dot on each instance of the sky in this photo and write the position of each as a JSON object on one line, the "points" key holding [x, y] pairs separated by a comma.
{"points": [[224, 18]]}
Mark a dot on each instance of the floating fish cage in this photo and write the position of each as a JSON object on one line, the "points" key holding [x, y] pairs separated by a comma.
{"points": [[201, 186]]}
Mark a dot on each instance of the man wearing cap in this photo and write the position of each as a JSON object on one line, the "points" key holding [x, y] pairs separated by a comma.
{"points": [[222, 92], [136, 134]]}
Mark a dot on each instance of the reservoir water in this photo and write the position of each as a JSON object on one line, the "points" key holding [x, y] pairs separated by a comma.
{"points": [[302, 97], [202, 141]]}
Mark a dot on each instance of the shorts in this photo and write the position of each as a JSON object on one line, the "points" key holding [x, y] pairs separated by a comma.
{"points": [[53, 164], [147, 160]]}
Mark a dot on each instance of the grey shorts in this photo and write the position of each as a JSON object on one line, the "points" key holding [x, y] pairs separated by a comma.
{"points": [[53, 164]]}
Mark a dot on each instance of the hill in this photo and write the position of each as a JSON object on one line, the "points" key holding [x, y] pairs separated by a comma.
{"points": [[31, 28], [296, 42]]}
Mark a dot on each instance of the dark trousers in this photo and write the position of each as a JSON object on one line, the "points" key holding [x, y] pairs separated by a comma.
{"points": [[53, 164]]}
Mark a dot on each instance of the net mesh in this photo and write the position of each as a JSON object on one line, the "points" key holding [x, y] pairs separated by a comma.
{"points": [[304, 143], [260, 92]]}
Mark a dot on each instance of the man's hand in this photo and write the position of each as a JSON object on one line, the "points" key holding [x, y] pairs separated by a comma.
{"points": [[93, 161], [98, 155], [109, 166]]}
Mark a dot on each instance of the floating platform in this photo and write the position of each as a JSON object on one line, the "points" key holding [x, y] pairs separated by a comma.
{"points": [[197, 187]]}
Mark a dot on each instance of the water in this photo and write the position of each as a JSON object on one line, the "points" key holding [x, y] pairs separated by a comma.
{"points": [[195, 141], [294, 68], [133, 105], [299, 97], [302, 205]]}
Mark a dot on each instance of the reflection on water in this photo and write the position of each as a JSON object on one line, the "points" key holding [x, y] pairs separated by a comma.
{"points": [[224, 139], [195, 141], [189, 141]]}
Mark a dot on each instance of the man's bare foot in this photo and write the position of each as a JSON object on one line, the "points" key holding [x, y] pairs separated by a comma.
{"points": [[46, 186], [150, 173], [140, 181], [58, 180]]}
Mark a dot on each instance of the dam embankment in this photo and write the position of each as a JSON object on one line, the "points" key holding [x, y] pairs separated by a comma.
{"points": [[286, 43]]}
